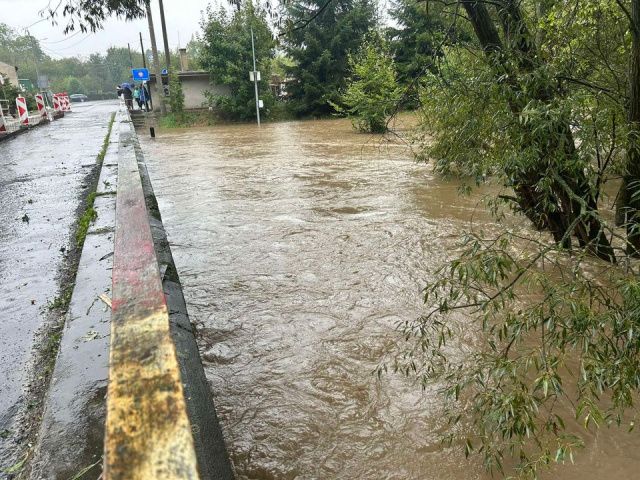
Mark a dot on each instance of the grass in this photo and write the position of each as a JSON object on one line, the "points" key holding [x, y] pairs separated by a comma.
{"points": [[89, 216], [61, 301], [105, 144], [189, 119], [52, 349], [17, 466], [85, 470], [278, 112]]}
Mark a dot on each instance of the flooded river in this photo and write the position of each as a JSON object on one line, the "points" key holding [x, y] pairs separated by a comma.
{"points": [[300, 247]]}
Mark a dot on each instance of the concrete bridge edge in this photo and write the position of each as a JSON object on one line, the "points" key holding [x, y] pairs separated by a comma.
{"points": [[72, 427], [211, 452]]}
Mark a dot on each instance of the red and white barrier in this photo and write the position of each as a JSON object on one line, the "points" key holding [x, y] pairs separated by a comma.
{"points": [[67, 104], [42, 108], [3, 124], [56, 104], [23, 113]]}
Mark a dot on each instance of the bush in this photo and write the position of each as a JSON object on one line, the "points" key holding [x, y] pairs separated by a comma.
{"points": [[176, 99], [372, 92]]}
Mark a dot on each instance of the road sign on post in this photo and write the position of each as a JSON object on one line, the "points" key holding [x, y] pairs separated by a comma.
{"points": [[43, 82], [140, 74]]}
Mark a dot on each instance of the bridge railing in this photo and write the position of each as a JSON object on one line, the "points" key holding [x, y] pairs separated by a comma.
{"points": [[147, 432]]}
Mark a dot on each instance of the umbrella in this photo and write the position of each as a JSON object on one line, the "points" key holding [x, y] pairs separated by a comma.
{"points": [[126, 85]]}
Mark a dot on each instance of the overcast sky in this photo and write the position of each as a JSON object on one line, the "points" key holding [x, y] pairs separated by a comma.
{"points": [[182, 17]]}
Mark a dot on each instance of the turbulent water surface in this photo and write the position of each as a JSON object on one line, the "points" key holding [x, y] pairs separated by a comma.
{"points": [[300, 247]]}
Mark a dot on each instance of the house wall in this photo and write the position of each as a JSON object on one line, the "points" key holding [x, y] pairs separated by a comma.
{"points": [[193, 86], [9, 72]]}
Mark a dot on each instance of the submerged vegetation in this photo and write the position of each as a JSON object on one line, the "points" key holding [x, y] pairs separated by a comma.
{"points": [[542, 101]]}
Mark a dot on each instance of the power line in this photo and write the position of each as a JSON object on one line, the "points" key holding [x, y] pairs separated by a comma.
{"points": [[63, 40], [71, 46]]}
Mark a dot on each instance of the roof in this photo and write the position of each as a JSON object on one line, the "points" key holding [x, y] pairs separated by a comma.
{"points": [[186, 74]]}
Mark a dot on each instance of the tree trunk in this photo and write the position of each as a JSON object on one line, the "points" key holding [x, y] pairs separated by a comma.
{"points": [[567, 210], [632, 177]]}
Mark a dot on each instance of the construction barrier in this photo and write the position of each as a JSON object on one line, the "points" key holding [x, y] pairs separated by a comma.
{"points": [[56, 104], [42, 108], [23, 113], [3, 124], [63, 100]]}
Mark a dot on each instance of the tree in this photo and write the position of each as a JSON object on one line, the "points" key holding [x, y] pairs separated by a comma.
{"points": [[176, 100], [226, 54], [194, 46], [73, 85], [372, 91], [537, 104], [319, 36], [422, 30], [20, 50], [90, 15]]}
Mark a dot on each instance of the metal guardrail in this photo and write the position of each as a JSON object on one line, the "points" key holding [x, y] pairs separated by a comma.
{"points": [[147, 432]]}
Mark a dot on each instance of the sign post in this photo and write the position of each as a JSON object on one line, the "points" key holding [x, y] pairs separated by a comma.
{"points": [[140, 74], [255, 78]]}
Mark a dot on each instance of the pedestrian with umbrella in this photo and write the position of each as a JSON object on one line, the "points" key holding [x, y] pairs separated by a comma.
{"points": [[127, 92]]}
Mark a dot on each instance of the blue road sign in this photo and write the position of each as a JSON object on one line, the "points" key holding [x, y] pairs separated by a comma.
{"points": [[150, 57], [164, 70], [140, 74]]}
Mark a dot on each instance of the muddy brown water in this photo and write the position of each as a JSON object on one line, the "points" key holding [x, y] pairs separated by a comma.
{"points": [[300, 247]]}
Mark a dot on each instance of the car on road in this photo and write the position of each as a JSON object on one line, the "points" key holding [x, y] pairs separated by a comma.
{"points": [[78, 97]]}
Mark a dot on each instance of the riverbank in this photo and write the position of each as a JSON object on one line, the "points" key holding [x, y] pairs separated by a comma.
{"points": [[206, 118]]}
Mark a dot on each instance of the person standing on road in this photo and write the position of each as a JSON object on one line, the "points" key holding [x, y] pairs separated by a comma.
{"points": [[144, 97], [128, 97], [147, 91], [136, 97]]}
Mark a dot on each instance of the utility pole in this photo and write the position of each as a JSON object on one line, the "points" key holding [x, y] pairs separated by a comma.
{"points": [[255, 77], [130, 59], [35, 58], [156, 63], [164, 37], [144, 60]]}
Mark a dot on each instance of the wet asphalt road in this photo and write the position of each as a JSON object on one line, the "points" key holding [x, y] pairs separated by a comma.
{"points": [[41, 185]]}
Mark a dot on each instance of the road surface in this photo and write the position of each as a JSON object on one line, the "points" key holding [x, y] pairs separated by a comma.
{"points": [[43, 178]]}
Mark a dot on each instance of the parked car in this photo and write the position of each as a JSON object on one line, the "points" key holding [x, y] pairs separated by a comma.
{"points": [[78, 97]]}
